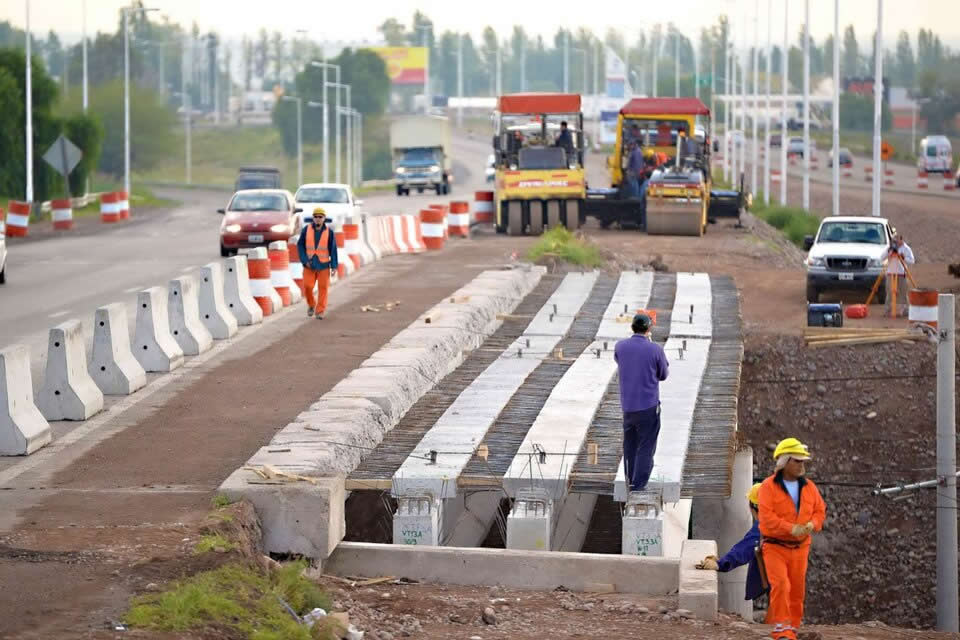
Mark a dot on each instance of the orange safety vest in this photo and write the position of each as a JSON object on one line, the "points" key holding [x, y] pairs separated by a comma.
{"points": [[321, 251]]}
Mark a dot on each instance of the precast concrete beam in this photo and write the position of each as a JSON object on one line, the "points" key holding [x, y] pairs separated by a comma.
{"points": [[23, 429], [417, 521], [531, 522], [68, 391], [236, 292], [112, 365], [573, 521]]}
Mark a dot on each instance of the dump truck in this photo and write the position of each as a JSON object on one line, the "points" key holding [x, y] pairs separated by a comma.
{"points": [[539, 176], [421, 154], [678, 198], [257, 177]]}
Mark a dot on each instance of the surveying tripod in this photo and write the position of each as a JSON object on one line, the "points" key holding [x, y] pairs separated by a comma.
{"points": [[894, 255]]}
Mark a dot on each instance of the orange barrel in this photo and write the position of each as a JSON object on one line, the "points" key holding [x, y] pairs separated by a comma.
{"points": [[483, 207], [458, 220], [444, 208], [351, 242], [948, 181], [343, 270], [110, 207], [61, 212], [922, 182], [431, 225], [774, 175], [923, 306], [296, 268], [280, 270], [18, 219], [258, 271], [124, 205]]}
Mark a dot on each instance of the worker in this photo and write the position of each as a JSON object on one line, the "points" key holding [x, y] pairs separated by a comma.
{"points": [[634, 172], [317, 247], [790, 510], [643, 365], [896, 287], [744, 552], [565, 140]]}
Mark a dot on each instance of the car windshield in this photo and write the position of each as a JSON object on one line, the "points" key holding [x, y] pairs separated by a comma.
{"points": [[856, 232], [255, 181], [323, 194], [419, 156], [258, 202], [931, 152]]}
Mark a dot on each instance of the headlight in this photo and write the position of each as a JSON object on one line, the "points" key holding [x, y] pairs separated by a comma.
{"points": [[232, 228], [280, 228], [875, 262], [816, 262], [401, 170], [434, 169]]}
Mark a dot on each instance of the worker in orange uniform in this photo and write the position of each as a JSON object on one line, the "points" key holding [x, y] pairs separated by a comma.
{"points": [[317, 247], [791, 509]]}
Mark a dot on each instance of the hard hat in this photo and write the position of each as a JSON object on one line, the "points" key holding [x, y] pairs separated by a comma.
{"points": [[319, 211], [754, 494], [648, 153], [792, 447], [641, 323]]}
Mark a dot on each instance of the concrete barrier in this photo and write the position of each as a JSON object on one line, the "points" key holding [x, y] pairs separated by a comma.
{"points": [[367, 250], [214, 314], [112, 365], [23, 429], [153, 345], [183, 306], [236, 292], [68, 392], [698, 588]]}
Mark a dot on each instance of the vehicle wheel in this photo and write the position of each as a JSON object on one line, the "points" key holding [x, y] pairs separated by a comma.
{"points": [[881, 295], [572, 220], [3, 275], [224, 252], [813, 294], [553, 214], [419, 189], [399, 190], [536, 217], [605, 223], [514, 218]]}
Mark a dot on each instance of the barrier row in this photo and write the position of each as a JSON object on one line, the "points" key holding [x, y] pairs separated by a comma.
{"points": [[114, 207]]}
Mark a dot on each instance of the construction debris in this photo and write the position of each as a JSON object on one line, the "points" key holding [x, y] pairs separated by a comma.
{"points": [[818, 337], [377, 308], [271, 475]]}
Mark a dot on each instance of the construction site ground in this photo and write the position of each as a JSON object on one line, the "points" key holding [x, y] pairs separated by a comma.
{"points": [[83, 532]]}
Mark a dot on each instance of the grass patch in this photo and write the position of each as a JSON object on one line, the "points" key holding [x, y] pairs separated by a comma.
{"points": [[793, 222], [564, 245], [236, 599], [220, 501], [214, 542]]}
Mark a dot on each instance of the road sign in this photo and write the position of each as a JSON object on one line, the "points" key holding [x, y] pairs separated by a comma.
{"points": [[63, 155], [886, 151]]}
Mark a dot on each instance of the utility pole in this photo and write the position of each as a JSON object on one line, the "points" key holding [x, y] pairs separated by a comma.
{"points": [[785, 79], [499, 85], [566, 61], [29, 115], [696, 74], [877, 109], [946, 465], [460, 80], [727, 59], [523, 63], [126, 101], [216, 81], [676, 63], [754, 168], [326, 113], [185, 100], [806, 106], [84, 48], [766, 113], [836, 108], [655, 43]]}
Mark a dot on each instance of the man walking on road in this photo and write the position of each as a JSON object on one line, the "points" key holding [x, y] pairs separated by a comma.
{"points": [[896, 273], [791, 509], [642, 365], [317, 247]]}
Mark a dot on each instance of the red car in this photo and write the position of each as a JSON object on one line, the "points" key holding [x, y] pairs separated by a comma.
{"points": [[257, 217]]}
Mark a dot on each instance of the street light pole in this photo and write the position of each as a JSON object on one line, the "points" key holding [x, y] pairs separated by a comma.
{"points": [[766, 113], [460, 80], [29, 128], [785, 79], [84, 48], [655, 43], [836, 108], [756, 97], [566, 61], [806, 106], [125, 11], [338, 86], [186, 102], [326, 115], [676, 63], [877, 111]]}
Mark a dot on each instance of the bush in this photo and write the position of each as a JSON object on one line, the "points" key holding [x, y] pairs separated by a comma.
{"points": [[795, 223], [564, 245]]}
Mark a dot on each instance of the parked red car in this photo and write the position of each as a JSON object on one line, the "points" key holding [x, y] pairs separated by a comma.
{"points": [[257, 217]]}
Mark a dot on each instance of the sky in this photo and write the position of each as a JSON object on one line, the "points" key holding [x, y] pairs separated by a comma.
{"points": [[358, 21]]}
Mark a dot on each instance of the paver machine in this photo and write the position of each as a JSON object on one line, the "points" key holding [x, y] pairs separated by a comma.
{"points": [[678, 198], [539, 180]]}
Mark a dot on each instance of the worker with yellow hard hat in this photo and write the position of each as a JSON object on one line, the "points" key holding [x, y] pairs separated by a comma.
{"points": [[317, 248], [744, 552], [790, 510]]}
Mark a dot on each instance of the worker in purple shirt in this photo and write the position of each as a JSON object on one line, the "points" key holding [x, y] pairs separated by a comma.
{"points": [[643, 366]]}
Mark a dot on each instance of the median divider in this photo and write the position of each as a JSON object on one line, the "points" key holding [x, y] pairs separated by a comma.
{"points": [[351, 242], [153, 344], [183, 305], [68, 391], [237, 295], [23, 429], [112, 365], [214, 314], [296, 267], [371, 238]]}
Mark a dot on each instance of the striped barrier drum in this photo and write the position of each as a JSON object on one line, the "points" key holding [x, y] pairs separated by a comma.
{"points": [[774, 175], [413, 234], [124, 205], [868, 174], [847, 170], [445, 209], [258, 271], [18, 219], [458, 220], [351, 242], [431, 224], [923, 306], [296, 268], [344, 265], [110, 207], [61, 212], [279, 256], [949, 181], [922, 182], [483, 207]]}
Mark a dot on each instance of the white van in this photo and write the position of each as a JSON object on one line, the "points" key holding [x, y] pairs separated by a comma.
{"points": [[935, 154]]}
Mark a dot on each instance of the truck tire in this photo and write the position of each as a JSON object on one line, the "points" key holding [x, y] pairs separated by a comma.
{"points": [[572, 220], [399, 190], [514, 217], [553, 214], [813, 294], [536, 217]]}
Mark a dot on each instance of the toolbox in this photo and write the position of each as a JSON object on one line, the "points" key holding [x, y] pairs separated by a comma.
{"points": [[825, 315]]}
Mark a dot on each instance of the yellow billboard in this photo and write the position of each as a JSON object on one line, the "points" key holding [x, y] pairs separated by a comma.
{"points": [[405, 65]]}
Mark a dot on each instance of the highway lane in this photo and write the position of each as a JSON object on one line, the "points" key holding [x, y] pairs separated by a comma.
{"points": [[58, 278]]}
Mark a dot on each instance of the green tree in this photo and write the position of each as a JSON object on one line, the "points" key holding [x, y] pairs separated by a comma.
{"points": [[12, 174], [393, 32], [850, 63], [87, 133], [906, 66]]}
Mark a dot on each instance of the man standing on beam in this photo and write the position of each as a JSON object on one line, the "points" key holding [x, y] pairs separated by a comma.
{"points": [[642, 366]]}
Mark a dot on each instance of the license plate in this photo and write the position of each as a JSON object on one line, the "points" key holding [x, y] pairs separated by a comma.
{"points": [[256, 237], [846, 276]]}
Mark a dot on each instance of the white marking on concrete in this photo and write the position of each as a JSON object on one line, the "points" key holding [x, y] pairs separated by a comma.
{"points": [[58, 314], [23, 429], [68, 392], [692, 306], [133, 289]]}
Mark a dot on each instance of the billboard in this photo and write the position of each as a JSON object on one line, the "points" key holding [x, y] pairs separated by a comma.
{"points": [[405, 65]]}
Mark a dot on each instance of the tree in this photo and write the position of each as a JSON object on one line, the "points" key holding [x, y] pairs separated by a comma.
{"points": [[488, 52], [906, 66], [828, 55], [247, 49], [261, 54], [850, 63], [277, 55], [12, 173], [393, 32]]}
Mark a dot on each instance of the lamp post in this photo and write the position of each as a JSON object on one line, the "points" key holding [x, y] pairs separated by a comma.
{"points": [[806, 109], [755, 161], [566, 61], [299, 102], [766, 113], [338, 86], [83, 8], [836, 109], [583, 52], [426, 74], [29, 128], [326, 115], [125, 12], [877, 110], [785, 79]]}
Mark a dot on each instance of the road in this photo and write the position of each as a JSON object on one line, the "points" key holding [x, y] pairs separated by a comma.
{"points": [[58, 278]]}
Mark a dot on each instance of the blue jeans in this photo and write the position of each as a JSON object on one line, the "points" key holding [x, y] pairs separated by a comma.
{"points": [[640, 432], [633, 186]]}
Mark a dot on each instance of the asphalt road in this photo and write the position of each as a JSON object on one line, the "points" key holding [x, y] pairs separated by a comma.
{"points": [[65, 277]]}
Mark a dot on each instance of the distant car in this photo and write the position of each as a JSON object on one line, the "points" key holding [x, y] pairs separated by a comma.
{"points": [[776, 139], [3, 256], [257, 217], [337, 200], [257, 178], [491, 171], [795, 147], [846, 158]]}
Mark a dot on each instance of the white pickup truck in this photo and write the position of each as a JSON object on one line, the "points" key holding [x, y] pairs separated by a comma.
{"points": [[848, 253]]}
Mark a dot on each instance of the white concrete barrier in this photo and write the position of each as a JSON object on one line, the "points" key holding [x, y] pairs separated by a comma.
{"points": [[68, 392], [236, 292], [112, 365], [367, 237], [23, 429], [183, 306], [214, 314], [153, 346]]}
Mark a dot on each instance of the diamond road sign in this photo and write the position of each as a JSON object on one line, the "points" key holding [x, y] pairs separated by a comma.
{"points": [[63, 155]]}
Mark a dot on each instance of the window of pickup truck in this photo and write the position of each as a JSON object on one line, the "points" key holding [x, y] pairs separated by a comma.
{"points": [[854, 232]]}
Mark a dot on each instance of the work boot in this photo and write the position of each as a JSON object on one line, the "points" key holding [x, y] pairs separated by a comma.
{"points": [[309, 312], [319, 315]]}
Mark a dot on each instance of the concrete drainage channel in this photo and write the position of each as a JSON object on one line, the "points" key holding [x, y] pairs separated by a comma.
{"points": [[493, 418]]}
